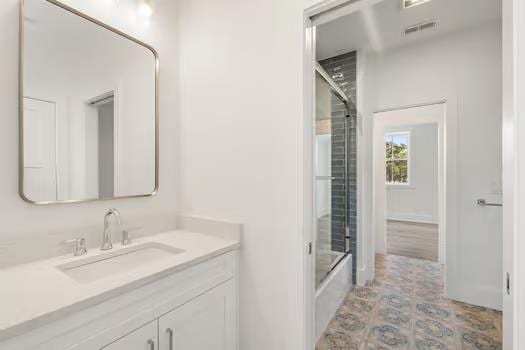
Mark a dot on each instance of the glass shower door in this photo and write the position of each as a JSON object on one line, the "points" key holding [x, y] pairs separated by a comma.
{"points": [[330, 179]]}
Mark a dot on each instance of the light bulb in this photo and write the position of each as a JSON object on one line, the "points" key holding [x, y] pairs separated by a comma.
{"points": [[145, 9]]}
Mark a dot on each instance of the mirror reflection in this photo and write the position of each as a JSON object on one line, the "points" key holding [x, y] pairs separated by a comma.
{"points": [[89, 109]]}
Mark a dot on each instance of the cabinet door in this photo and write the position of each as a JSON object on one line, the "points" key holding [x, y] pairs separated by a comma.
{"points": [[144, 338], [208, 322]]}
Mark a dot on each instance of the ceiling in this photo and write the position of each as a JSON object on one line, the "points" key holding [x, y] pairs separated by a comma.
{"points": [[381, 27]]}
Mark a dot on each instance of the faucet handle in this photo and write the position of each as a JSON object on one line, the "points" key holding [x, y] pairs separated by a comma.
{"points": [[126, 232], [126, 240], [79, 246]]}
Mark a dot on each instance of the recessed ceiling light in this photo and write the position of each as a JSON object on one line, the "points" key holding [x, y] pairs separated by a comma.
{"points": [[411, 3]]}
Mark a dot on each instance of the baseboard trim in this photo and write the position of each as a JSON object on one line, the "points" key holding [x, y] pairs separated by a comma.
{"points": [[469, 293], [363, 276], [424, 219]]}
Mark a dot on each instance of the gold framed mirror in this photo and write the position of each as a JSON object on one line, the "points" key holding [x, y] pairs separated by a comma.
{"points": [[89, 122]]}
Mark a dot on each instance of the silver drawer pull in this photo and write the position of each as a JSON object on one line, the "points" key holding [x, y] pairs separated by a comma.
{"points": [[170, 339], [151, 344], [483, 203]]}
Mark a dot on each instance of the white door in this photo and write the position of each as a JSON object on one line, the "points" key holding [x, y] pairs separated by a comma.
{"points": [[205, 323], [40, 172], [144, 338]]}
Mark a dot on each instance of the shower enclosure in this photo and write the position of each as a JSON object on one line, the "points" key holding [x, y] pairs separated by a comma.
{"points": [[332, 186]]}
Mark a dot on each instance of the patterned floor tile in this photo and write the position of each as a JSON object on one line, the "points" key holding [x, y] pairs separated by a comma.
{"points": [[435, 311], [429, 343], [366, 293], [394, 317], [404, 308], [398, 301], [390, 336], [471, 340], [438, 330], [337, 340]]}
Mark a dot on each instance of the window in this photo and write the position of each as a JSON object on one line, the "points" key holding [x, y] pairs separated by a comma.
{"points": [[397, 154]]}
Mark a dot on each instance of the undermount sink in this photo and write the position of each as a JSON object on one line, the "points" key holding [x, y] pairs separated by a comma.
{"points": [[123, 260]]}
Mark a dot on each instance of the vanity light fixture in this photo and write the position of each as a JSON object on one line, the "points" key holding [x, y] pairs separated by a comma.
{"points": [[145, 8], [411, 3]]}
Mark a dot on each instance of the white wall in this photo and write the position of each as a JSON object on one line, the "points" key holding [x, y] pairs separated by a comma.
{"points": [[237, 129], [465, 67], [241, 144], [419, 200], [30, 231]]}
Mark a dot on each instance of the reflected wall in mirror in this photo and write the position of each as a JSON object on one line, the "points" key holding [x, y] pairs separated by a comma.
{"points": [[88, 117]]}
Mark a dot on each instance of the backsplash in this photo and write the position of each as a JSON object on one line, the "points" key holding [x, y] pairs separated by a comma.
{"points": [[16, 249]]}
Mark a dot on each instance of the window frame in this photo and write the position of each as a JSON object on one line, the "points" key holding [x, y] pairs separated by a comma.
{"points": [[408, 158]]}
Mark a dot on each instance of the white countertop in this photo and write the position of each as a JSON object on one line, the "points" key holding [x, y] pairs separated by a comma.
{"points": [[33, 293]]}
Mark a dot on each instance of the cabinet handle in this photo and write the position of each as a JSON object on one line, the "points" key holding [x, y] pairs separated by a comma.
{"points": [[151, 344], [170, 335]]}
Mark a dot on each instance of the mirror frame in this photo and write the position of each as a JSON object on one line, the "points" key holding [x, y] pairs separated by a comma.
{"points": [[21, 105]]}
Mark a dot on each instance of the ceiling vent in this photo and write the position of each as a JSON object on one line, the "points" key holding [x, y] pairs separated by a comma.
{"points": [[411, 3], [427, 25]]}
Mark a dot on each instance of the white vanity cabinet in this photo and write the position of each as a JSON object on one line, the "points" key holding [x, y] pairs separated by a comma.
{"points": [[144, 338], [205, 323], [194, 308]]}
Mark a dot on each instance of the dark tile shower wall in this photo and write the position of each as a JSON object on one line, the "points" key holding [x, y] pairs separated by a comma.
{"points": [[343, 69]]}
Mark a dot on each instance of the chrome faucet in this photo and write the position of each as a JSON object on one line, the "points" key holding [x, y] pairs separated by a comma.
{"points": [[106, 238], [79, 246]]}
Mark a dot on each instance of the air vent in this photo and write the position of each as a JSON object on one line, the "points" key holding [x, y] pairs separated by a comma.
{"points": [[431, 24], [411, 3]]}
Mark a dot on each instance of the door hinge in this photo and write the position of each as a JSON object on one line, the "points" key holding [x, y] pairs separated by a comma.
{"points": [[310, 248], [508, 283]]}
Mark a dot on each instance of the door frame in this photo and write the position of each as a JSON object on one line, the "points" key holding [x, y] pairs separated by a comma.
{"points": [[513, 174], [513, 162], [447, 145]]}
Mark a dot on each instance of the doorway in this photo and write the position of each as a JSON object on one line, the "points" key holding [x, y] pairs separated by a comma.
{"points": [[409, 180], [99, 146], [414, 71], [40, 150], [412, 168]]}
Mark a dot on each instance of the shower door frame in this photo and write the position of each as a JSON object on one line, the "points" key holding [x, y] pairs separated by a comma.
{"points": [[344, 99], [324, 11]]}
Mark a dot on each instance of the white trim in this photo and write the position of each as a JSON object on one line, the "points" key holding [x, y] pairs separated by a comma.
{"points": [[410, 217], [513, 243], [362, 277], [83, 167], [362, 273], [445, 115], [308, 188], [332, 9], [117, 139], [326, 8]]}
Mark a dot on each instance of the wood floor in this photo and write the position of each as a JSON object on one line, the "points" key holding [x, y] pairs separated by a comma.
{"points": [[411, 239]]}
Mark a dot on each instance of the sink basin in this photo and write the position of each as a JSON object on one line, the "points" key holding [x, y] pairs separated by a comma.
{"points": [[123, 260]]}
